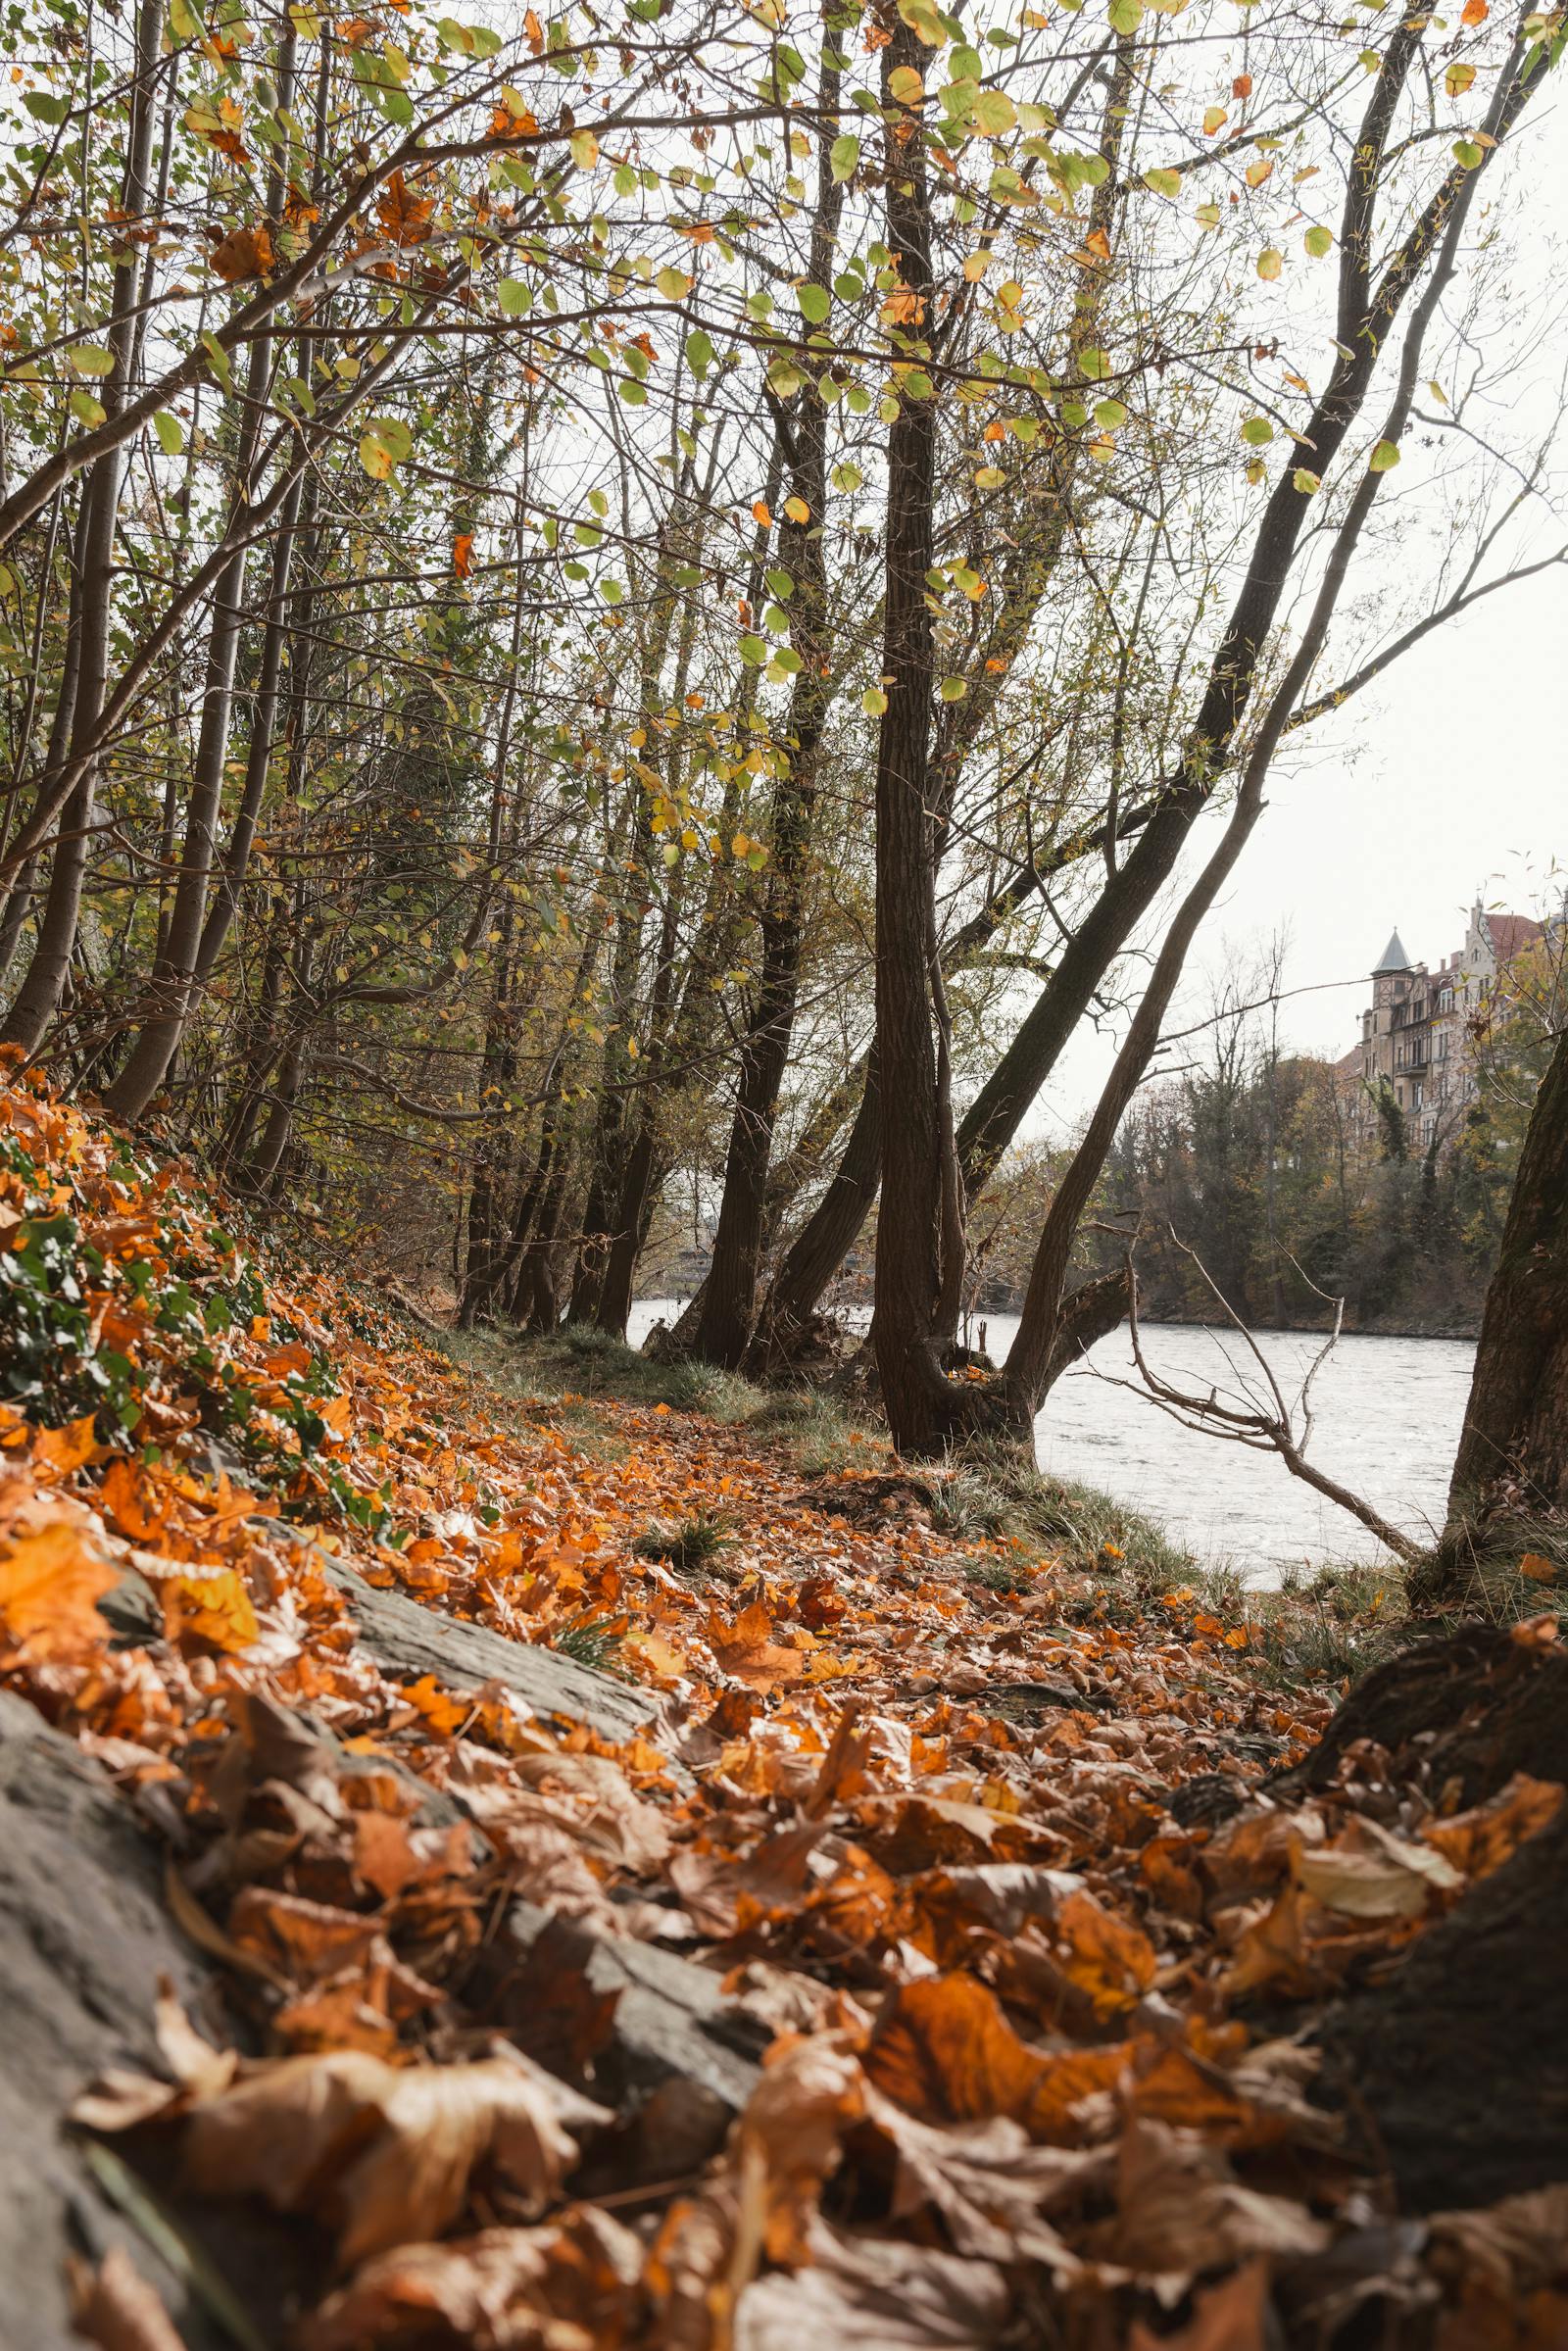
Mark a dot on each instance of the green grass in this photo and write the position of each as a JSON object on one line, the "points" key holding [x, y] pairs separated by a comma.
{"points": [[993, 1491], [692, 1547], [593, 1642], [1001, 1576], [818, 1433]]}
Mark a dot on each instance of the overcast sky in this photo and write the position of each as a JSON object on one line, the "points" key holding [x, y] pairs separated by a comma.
{"points": [[1446, 780]]}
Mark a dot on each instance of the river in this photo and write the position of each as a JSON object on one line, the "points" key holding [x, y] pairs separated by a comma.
{"points": [[1387, 1417]]}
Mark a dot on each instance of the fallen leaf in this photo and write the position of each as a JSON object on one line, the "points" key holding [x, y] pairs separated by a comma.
{"points": [[50, 1585], [383, 2153], [115, 2307]]}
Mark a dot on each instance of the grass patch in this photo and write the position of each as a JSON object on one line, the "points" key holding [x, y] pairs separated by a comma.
{"points": [[594, 1642], [692, 1547], [723, 1395], [1001, 1576], [993, 1491], [818, 1433]]}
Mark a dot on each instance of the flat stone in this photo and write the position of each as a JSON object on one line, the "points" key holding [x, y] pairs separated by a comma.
{"points": [[85, 1938], [411, 1640], [672, 2021]]}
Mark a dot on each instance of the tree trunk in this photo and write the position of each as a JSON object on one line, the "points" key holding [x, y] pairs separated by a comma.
{"points": [[911, 1236], [1512, 1461], [97, 527]]}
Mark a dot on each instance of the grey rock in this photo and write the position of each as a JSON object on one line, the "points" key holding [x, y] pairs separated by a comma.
{"points": [[414, 1640], [85, 1938], [671, 2021]]}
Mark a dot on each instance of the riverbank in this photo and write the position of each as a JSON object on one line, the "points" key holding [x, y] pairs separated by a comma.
{"points": [[632, 1863]]}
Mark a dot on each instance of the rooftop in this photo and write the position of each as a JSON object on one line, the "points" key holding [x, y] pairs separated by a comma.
{"points": [[1392, 958]]}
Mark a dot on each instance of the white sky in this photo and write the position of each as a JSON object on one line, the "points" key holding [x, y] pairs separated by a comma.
{"points": [[1447, 778]]}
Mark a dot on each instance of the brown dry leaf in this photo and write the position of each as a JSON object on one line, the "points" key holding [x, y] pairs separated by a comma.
{"points": [[404, 217], [208, 1606], [745, 1649], [58, 1451], [1513, 2248], [1113, 1962], [1488, 1834], [190, 2057], [384, 2154], [988, 2183], [243, 253], [599, 1804], [867, 2294], [1255, 1849], [1233, 2316], [1369, 1872], [943, 2049], [300, 1941], [1180, 2210], [115, 2307], [797, 2116], [505, 2289], [50, 1585]]}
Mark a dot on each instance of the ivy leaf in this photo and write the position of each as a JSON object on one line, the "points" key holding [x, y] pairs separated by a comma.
{"points": [[1258, 433]]}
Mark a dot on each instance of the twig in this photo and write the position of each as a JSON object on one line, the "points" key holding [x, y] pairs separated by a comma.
{"points": [[1253, 1424]]}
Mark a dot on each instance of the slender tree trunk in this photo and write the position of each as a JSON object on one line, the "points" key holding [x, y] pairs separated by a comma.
{"points": [[97, 527], [729, 1302], [909, 1237], [1512, 1461]]}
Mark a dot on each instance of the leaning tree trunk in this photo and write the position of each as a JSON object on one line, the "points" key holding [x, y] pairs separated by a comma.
{"points": [[1512, 1462]]}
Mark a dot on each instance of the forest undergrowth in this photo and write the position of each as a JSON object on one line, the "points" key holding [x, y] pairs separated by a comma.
{"points": [[966, 1802]]}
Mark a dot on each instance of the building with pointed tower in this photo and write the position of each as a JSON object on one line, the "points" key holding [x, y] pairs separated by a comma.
{"points": [[1417, 1031]]}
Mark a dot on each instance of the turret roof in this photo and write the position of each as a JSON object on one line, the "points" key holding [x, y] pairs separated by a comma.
{"points": [[1392, 958]]}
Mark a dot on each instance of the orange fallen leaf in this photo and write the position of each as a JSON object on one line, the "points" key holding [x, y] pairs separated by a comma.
{"points": [[50, 1585]]}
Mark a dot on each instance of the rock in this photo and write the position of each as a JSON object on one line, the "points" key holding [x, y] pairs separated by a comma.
{"points": [[85, 1938], [670, 2021], [412, 1641]]}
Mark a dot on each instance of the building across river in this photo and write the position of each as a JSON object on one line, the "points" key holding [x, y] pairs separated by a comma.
{"points": [[1419, 1032]]}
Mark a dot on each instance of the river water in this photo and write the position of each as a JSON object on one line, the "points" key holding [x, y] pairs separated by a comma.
{"points": [[1387, 1417]]}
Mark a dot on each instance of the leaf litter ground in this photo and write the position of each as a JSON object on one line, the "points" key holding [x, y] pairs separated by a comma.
{"points": [[1002, 1889]]}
